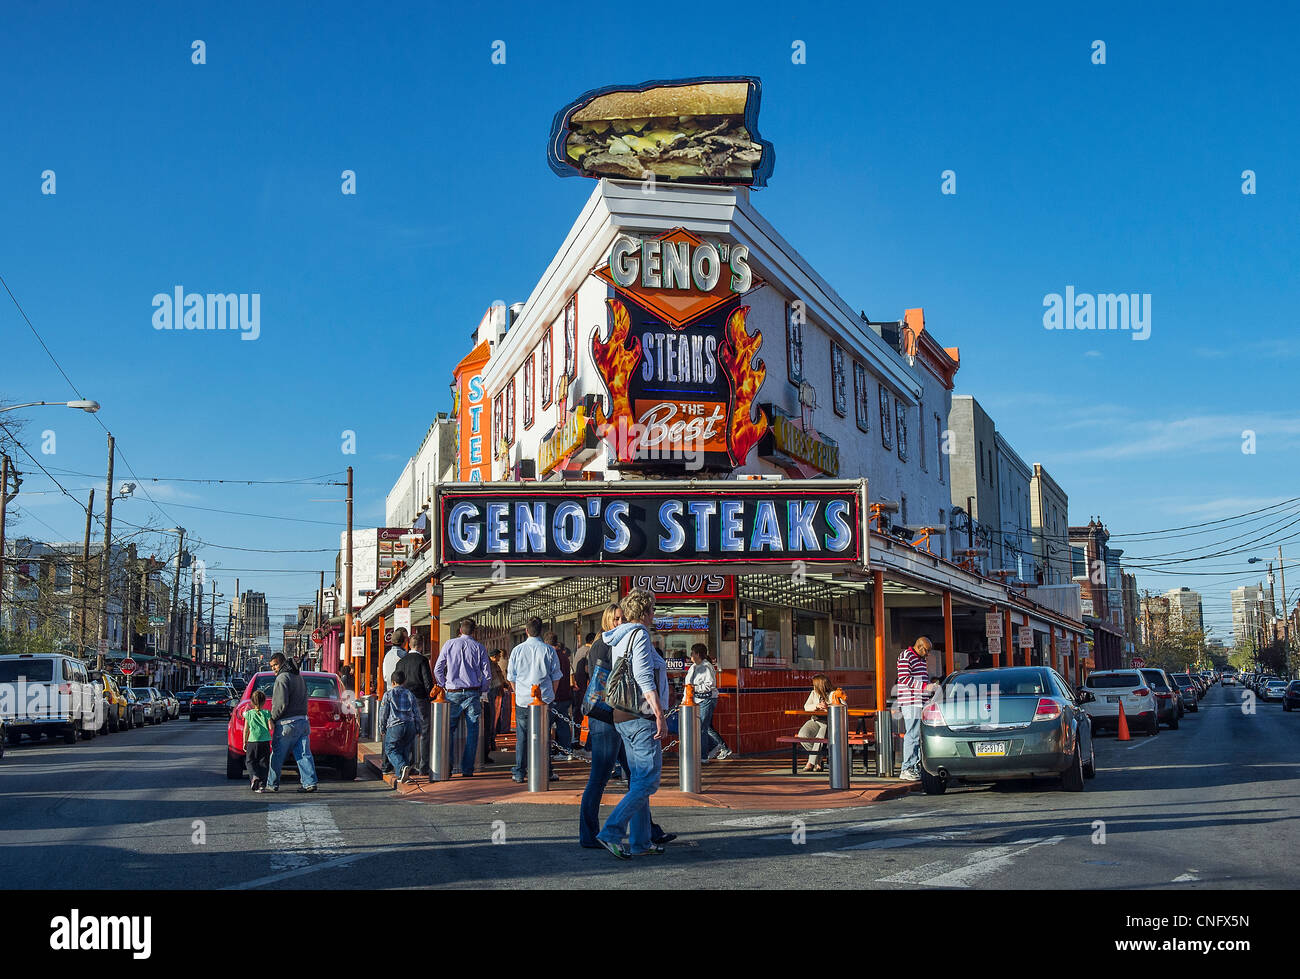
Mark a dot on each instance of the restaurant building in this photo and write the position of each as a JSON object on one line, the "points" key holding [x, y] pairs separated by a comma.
{"points": [[683, 403]]}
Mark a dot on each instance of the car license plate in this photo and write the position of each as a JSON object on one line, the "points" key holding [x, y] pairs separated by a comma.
{"points": [[989, 749], [1113, 700]]}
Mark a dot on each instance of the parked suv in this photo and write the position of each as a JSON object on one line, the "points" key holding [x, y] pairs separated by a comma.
{"points": [[1110, 688], [1169, 704], [48, 693], [1187, 690]]}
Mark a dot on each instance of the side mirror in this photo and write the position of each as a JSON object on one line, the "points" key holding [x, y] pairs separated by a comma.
{"points": [[1086, 697]]}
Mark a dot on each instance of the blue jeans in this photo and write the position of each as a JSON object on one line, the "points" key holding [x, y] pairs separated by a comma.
{"points": [[520, 771], [292, 734], [465, 702], [911, 738], [706, 725], [604, 742], [399, 739], [631, 817]]}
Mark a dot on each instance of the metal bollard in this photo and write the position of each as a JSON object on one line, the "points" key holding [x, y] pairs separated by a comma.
{"points": [[837, 733], [885, 743], [440, 739], [539, 744], [688, 744], [484, 736]]}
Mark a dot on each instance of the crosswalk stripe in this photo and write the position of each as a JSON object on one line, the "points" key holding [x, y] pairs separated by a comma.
{"points": [[874, 824], [297, 835], [941, 873], [893, 842]]}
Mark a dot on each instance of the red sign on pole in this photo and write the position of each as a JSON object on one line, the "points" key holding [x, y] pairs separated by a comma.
{"points": [[128, 666]]}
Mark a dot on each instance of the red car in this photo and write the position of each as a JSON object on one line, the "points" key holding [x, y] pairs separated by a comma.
{"points": [[335, 729]]}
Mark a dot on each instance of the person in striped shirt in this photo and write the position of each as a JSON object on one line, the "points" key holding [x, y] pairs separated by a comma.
{"points": [[913, 678]]}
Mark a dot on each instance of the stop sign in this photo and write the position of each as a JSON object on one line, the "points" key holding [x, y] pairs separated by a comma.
{"points": [[128, 666]]}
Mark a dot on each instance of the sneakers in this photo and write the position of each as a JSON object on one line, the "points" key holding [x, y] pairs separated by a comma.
{"points": [[910, 775], [554, 777], [405, 775], [253, 785], [517, 781], [724, 754], [716, 752], [655, 851], [618, 849], [306, 788], [666, 838]]}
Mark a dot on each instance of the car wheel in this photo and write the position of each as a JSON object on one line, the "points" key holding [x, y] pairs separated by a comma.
{"points": [[70, 735], [87, 734], [1072, 777], [13, 737], [1090, 769], [194, 717], [234, 765], [348, 768], [933, 784]]}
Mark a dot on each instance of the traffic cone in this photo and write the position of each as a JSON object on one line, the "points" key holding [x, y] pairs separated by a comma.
{"points": [[1122, 734]]}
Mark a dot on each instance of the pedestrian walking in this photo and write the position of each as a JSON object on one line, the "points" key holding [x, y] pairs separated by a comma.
{"points": [[720, 749], [532, 664], [563, 705], [465, 672], [605, 745], [394, 655], [257, 740], [704, 684], [642, 730], [497, 692], [913, 678], [815, 727], [399, 723], [349, 681], [290, 731], [414, 666]]}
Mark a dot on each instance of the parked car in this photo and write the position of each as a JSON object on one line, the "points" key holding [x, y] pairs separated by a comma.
{"points": [[335, 730], [184, 697], [1274, 690], [173, 705], [116, 713], [48, 693], [1169, 703], [1187, 689], [136, 711], [155, 709], [1291, 699], [1110, 688], [1014, 722], [212, 701]]}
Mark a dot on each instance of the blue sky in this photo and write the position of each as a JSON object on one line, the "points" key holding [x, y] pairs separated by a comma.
{"points": [[225, 177]]}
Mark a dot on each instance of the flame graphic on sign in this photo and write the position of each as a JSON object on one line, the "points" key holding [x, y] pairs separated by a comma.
{"points": [[737, 354], [616, 360]]}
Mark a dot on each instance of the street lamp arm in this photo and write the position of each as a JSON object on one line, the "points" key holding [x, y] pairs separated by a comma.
{"points": [[82, 404]]}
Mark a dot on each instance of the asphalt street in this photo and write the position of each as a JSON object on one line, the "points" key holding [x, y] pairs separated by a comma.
{"points": [[1212, 805]]}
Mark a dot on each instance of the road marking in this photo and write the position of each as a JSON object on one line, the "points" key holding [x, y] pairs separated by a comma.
{"points": [[866, 827], [1189, 876], [763, 822], [1144, 741], [300, 834], [940, 873], [298, 872], [894, 842]]}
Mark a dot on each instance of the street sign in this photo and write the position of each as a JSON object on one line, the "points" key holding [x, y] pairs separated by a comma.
{"points": [[157, 620], [128, 666], [103, 647], [1026, 637], [402, 619], [358, 646], [316, 637], [1138, 662], [993, 625]]}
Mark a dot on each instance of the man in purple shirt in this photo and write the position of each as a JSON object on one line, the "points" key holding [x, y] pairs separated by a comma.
{"points": [[465, 672]]}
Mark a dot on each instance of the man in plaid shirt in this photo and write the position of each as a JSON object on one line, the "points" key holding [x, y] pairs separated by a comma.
{"points": [[399, 720], [913, 678]]}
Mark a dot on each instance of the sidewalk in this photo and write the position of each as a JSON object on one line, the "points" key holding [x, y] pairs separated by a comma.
{"points": [[757, 783]]}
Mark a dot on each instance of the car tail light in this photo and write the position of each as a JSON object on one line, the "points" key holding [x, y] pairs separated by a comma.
{"points": [[932, 716], [65, 689], [1047, 710], [1142, 692], [200, 702]]}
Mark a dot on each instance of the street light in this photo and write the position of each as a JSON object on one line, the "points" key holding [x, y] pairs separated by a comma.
{"points": [[90, 407]]}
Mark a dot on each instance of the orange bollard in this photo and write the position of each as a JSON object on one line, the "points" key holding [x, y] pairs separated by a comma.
{"points": [[1123, 724], [688, 696], [837, 696], [439, 695], [537, 695]]}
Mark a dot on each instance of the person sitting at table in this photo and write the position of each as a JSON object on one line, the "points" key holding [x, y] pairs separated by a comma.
{"points": [[815, 727]]}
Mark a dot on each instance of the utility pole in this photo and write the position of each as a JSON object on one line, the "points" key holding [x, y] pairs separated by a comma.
{"points": [[6, 469], [173, 645], [105, 563], [85, 571], [212, 621], [347, 583], [239, 624], [128, 630], [194, 619]]}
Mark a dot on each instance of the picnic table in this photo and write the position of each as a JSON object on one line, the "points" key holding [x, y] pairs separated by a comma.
{"points": [[862, 741]]}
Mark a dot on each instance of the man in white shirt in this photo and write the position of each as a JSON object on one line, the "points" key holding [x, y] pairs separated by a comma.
{"points": [[532, 664]]}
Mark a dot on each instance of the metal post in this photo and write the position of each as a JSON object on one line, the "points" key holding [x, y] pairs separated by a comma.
{"points": [[885, 743], [837, 733], [539, 744], [484, 736], [440, 739], [688, 745]]}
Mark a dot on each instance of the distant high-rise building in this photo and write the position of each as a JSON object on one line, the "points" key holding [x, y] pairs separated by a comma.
{"points": [[1184, 610], [1247, 613], [1154, 619]]}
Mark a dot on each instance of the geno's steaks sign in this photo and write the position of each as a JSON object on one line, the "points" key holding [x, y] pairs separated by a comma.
{"points": [[739, 523]]}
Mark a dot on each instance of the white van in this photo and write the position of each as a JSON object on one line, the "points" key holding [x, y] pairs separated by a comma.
{"points": [[47, 693]]}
